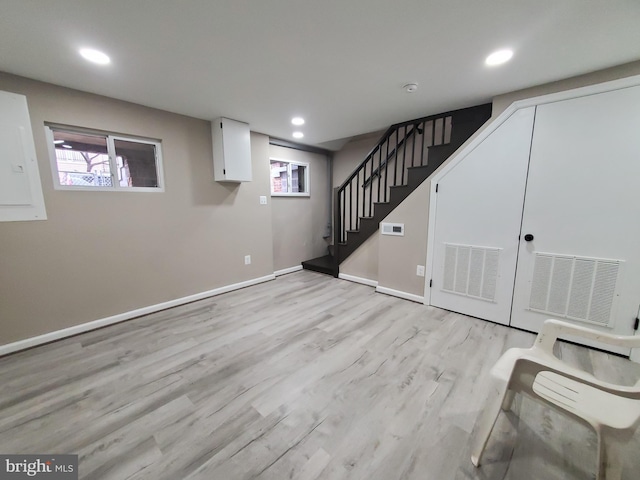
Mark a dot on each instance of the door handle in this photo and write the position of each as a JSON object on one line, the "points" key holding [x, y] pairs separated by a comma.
{"points": [[528, 237]]}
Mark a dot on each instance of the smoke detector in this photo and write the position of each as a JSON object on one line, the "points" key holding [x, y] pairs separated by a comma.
{"points": [[410, 87]]}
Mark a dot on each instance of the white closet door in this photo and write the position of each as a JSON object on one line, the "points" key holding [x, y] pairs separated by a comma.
{"points": [[478, 217], [582, 207]]}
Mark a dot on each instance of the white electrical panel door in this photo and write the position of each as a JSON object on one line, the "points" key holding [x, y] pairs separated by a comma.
{"points": [[579, 257], [20, 189], [231, 150], [478, 215], [14, 174]]}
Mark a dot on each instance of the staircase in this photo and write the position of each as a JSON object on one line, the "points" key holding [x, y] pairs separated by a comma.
{"points": [[406, 155]]}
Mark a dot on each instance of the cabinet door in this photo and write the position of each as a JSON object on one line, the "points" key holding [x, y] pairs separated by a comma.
{"points": [[20, 188], [478, 216], [236, 151], [583, 211]]}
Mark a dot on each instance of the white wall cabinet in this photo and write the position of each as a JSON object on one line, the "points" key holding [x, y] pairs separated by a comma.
{"points": [[231, 150], [21, 196]]}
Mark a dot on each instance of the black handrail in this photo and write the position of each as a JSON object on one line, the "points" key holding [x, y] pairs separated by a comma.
{"points": [[393, 152]]}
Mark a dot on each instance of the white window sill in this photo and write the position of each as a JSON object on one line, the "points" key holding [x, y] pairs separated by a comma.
{"points": [[290, 194]]}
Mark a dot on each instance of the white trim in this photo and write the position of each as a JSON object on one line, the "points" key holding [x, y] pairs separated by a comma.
{"points": [[431, 227], [292, 194], [284, 271], [460, 155], [353, 278], [103, 322], [533, 102], [307, 175], [397, 293]]}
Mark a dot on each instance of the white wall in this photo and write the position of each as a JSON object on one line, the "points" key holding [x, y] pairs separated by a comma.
{"points": [[299, 223], [101, 254]]}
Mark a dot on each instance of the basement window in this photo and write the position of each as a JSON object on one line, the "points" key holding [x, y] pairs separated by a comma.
{"points": [[289, 178], [90, 160]]}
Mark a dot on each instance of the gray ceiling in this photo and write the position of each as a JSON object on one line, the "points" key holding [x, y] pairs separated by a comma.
{"points": [[339, 63]]}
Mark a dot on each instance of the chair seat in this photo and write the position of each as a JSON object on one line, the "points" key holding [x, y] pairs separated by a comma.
{"points": [[585, 401]]}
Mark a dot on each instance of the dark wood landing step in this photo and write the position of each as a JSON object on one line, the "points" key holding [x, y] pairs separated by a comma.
{"points": [[324, 264]]}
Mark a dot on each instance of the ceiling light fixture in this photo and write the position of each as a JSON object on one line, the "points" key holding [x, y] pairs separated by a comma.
{"points": [[499, 57], [67, 146], [410, 87], [298, 134], [95, 56], [297, 121], [58, 142]]}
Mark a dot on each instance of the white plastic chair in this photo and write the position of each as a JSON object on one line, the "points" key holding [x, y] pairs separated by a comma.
{"points": [[612, 410]]}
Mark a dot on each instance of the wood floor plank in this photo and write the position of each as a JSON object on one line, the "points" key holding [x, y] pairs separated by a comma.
{"points": [[306, 377]]}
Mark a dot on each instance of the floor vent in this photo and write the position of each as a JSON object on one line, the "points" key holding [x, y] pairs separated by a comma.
{"points": [[471, 271], [577, 288]]}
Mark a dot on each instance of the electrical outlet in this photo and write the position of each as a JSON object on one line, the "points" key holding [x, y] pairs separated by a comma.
{"points": [[420, 270], [247, 259], [263, 200]]}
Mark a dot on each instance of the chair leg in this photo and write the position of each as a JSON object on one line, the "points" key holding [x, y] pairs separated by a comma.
{"points": [[487, 421], [609, 458], [508, 400]]}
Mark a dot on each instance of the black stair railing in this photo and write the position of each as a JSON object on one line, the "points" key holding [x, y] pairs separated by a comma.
{"points": [[406, 155], [402, 146]]}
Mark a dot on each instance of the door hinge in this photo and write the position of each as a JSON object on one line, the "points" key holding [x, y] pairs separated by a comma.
{"points": [[437, 188], [224, 171], [431, 283], [636, 324], [220, 124]]}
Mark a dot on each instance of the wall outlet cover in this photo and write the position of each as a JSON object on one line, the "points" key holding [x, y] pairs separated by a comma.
{"points": [[263, 200], [247, 259]]}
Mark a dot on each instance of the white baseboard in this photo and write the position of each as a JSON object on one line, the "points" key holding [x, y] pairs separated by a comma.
{"points": [[284, 271], [103, 322], [399, 294], [353, 278]]}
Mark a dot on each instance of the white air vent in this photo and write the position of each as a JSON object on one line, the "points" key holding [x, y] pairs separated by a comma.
{"points": [[577, 288], [471, 271], [392, 229]]}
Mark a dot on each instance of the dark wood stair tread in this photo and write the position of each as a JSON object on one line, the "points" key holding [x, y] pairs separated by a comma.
{"points": [[325, 264]]}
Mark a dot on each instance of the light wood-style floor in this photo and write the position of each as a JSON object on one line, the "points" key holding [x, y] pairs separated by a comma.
{"points": [[305, 377]]}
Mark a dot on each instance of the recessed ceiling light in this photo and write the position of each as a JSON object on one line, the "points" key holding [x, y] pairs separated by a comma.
{"points": [[499, 57], [58, 142], [298, 134], [67, 146], [297, 121], [95, 56]]}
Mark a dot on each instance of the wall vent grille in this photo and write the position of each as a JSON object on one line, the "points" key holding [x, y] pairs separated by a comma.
{"points": [[471, 271], [577, 288]]}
